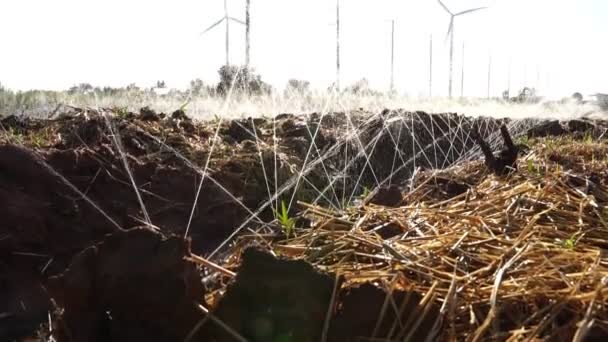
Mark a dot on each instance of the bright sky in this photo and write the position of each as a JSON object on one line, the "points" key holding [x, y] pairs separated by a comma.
{"points": [[557, 45]]}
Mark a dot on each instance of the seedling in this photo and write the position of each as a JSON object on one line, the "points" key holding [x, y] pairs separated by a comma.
{"points": [[366, 192], [121, 112], [184, 105], [533, 168], [570, 242], [287, 223], [530, 166]]}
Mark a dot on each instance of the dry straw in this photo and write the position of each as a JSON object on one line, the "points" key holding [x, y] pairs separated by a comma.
{"points": [[507, 259]]}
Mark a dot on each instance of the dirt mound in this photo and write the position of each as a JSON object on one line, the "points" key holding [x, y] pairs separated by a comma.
{"points": [[576, 128], [66, 183]]}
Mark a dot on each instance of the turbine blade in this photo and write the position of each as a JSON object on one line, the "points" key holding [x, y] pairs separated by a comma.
{"points": [[470, 10], [237, 20], [444, 7], [450, 28], [214, 25]]}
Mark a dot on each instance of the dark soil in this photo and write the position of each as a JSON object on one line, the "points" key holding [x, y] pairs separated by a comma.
{"points": [[134, 286], [64, 187]]}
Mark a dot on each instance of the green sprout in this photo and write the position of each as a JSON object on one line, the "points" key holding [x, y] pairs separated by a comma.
{"points": [[287, 223], [15, 137], [121, 112], [530, 166], [184, 105], [366, 192], [569, 243], [533, 168]]}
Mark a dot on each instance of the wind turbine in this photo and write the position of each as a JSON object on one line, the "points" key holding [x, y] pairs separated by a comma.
{"points": [[392, 56], [489, 73], [431, 67], [227, 19], [338, 45], [451, 35], [247, 34], [462, 74]]}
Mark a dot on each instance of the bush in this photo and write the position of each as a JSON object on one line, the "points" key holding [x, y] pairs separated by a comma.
{"points": [[361, 87], [245, 81], [298, 86]]}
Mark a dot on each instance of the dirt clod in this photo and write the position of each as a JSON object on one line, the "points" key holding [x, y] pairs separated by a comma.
{"points": [[362, 316], [134, 286], [275, 300]]}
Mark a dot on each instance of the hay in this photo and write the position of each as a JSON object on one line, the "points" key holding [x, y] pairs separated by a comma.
{"points": [[512, 258]]}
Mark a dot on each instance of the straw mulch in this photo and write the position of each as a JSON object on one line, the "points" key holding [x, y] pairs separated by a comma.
{"points": [[519, 257]]}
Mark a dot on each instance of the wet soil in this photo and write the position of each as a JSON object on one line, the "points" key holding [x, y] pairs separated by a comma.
{"points": [[70, 212]]}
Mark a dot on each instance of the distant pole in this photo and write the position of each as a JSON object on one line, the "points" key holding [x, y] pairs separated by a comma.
{"points": [[431, 67], [537, 77], [451, 62], [509, 78], [338, 45], [247, 36], [227, 32], [462, 74], [489, 73], [392, 55]]}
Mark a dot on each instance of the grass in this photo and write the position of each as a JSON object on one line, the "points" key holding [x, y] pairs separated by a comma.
{"points": [[40, 103], [38, 138], [287, 223]]}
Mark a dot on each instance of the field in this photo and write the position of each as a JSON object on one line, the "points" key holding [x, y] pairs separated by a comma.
{"points": [[336, 225]]}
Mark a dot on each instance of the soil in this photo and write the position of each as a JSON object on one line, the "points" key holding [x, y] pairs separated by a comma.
{"points": [[70, 213]]}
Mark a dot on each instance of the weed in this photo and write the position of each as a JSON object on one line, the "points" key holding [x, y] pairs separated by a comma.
{"points": [[185, 105], [530, 166], [570, 243], [15, 136], [287, 223], [121, 112], [588, 139], [366, 192], [522, 140], [533, 168]]}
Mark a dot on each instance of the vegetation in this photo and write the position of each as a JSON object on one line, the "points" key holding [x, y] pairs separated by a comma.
{"points": [[287, 223], [243, 81]]}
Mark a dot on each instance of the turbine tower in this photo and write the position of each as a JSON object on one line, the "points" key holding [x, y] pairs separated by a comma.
{"points": [[462, 74], [450, 34], [431, 67], [247, 34], [392, 56], [338, 45], [227, 19]]}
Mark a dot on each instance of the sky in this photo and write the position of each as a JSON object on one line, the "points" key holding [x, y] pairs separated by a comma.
{"points": [[557, 46]]}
